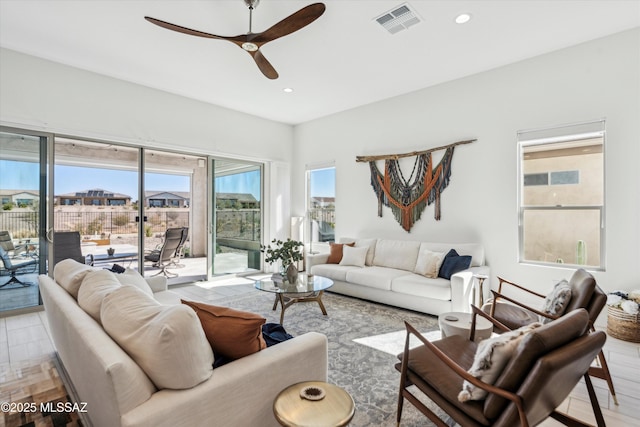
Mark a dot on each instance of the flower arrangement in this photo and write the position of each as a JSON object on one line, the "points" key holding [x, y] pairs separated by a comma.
{"points": [[287, 252], [629, 302]]}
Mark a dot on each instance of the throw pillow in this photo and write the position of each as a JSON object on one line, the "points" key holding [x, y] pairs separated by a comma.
{"points": [[69, 274], [492, 355], [335, 254], [429, 263], [132, 277], [231, 333], [354, 256], [556, 302], [96, 285], [453, 263], [167, 342]]}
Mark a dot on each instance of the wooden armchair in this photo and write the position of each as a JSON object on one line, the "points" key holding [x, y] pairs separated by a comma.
{"points": [[585, 293], [545, 367]]}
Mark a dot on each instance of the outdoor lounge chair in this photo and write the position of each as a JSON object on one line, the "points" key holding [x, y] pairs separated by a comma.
{"points": [[66, 244], [162, 258], [6, 242], [14, 268]]}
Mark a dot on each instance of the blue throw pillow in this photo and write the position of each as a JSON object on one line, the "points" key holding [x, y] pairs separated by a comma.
{"points": [[453, 263]]}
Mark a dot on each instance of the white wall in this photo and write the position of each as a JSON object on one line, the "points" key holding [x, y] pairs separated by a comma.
{"points": [[589, 81], [42, 95]]}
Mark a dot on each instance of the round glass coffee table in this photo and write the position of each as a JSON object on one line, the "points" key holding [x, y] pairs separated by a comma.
{"points": [[333, 407], [305, 289]]}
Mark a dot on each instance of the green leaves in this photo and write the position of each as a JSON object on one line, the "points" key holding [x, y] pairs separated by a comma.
{"points": [[287, 252]]}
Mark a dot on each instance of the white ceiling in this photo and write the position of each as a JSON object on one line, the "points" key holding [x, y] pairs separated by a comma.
{"points": [[341, 61]]}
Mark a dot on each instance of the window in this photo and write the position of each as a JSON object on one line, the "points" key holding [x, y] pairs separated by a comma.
{"points": [[321, 203], [561, 195]]}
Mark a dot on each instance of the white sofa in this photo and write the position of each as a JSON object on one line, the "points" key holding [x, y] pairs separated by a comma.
{"points": [[118, 392], [388, 275]]}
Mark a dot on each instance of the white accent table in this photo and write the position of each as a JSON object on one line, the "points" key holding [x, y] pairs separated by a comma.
{"points": [[458, 323]]}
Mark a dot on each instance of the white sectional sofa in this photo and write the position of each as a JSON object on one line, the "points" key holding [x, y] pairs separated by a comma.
{"points": [[118, 391], [389, 275]]}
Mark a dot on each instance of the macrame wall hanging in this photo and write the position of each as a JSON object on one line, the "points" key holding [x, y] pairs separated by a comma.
{"points": [[407, 198]]}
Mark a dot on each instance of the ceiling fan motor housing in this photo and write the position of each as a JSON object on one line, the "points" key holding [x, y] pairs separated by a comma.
{"points": [[252, 4]]}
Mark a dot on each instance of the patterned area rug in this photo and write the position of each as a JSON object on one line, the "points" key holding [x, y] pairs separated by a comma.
{"points": [[37, 396], [353, 328]]}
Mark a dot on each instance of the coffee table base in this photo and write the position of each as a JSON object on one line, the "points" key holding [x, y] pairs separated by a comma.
{"points": [[287, 301]]}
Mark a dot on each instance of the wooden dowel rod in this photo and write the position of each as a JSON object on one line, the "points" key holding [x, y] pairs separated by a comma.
{"points": [[413, 153]]}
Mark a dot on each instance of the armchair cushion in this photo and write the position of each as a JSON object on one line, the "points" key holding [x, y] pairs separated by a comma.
{"points": [[492, 355], [556, 302]]}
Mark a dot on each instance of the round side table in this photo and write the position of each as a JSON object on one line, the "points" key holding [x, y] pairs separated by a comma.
{"points": [[458, 323], [336, 409]]}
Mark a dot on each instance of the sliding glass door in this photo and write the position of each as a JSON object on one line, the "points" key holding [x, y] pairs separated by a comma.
{"points": [[237, 215], [23, 199]]}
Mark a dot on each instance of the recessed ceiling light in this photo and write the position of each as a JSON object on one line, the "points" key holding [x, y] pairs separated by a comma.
{"points": [[287, 90], [463, 18]]}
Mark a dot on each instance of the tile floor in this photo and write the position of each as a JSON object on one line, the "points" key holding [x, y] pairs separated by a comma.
{"points": [[24, 341]]}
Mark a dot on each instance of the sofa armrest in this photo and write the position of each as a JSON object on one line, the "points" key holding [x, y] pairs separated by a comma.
{"points": [[239, 393], [157, 283], [463, 285], [315, 259]]}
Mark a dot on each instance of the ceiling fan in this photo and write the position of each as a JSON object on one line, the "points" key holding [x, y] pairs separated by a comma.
{"points": [[251, 42]]}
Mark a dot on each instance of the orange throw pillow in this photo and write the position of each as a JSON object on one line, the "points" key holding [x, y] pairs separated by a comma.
{"points": [[335, 256], [232, 333]]}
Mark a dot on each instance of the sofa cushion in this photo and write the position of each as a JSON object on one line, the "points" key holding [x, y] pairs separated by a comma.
{"points": [[354, 256], [398, 254], [231, 333], [375, 277], [370, 244], [335, 254], [420, 286], [333, 271], [69, 274], [167, 342], [132, 277], [492, 355], [96, 285], [475, 250], [453, 263], [429, 263]]}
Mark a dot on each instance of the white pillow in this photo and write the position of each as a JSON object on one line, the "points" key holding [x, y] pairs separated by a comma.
{"points": [[370, 244], [492, 355], [167, 342], [556, 302], [354, 256], [69, 274], [429, 263], [95, 287], [132, 277]]}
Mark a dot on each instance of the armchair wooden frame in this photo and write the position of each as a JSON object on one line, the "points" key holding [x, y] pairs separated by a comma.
{"points": [[517, 400], [601, 371]]}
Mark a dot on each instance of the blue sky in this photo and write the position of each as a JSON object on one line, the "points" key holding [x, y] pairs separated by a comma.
{"points": [[323, 183], [69, 179]]}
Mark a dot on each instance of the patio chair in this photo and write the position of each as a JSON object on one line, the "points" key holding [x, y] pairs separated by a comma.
{"points": [[544, 368], [14, 268], [6, 242], [179, 253], [162, 258], [585, 293], [66, 244]]}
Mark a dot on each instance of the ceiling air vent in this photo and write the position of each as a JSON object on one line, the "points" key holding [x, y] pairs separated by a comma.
{"points": [[399, 18]]}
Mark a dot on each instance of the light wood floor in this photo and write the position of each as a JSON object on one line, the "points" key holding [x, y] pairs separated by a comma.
{"points": [[25, 341]]}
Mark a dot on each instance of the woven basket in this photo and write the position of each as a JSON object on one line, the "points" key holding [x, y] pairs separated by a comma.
{"points": [[622, 325]]}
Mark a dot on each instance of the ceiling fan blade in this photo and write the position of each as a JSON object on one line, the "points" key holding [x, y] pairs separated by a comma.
{"points": [[292, 23], [189, 31], [264, 65]]}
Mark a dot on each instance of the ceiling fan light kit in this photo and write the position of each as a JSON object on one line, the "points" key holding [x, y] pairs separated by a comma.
{"points": [[252, 42]]}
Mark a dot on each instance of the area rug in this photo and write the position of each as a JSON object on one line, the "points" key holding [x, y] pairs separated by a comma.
{"points": [[363, 339], [37, 394]]}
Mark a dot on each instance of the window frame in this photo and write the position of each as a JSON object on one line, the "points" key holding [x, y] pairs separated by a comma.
{"points": [[309, 169], [555, 135]]}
